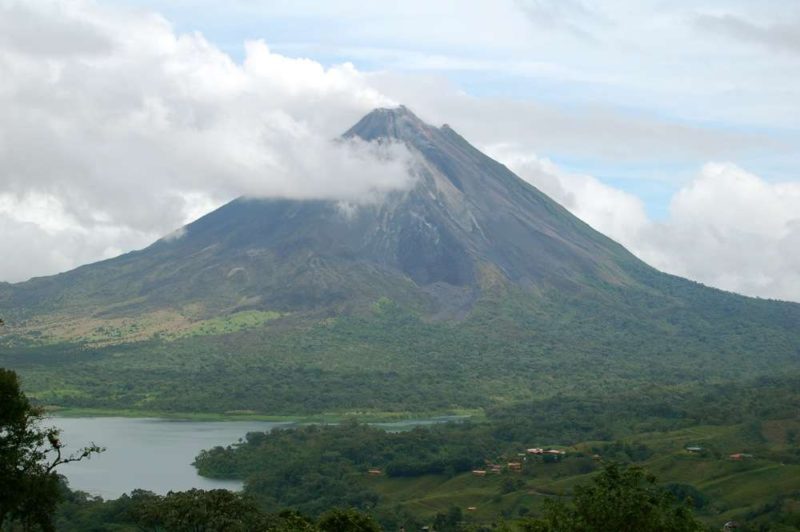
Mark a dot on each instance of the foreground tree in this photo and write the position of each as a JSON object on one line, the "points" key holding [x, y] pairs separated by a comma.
{"points": [[30, 487], [196, 510], [348, 520], [623, 499]]}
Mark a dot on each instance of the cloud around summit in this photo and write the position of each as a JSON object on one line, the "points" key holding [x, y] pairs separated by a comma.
{"points": [[115, 130]]}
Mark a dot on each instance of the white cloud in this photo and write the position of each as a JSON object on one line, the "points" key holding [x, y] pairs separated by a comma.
{"points": [[597, 133], [726, 228], [782, 35], [612, 211], [39, 237], [113, 125], [572, 15], [732, 229]]}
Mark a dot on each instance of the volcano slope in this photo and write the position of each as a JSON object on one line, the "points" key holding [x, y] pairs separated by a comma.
{"points": [[468, 289]]}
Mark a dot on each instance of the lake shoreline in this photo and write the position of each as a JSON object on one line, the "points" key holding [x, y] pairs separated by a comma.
{"points": [[331, 417], [156, 453], [152, 454]]}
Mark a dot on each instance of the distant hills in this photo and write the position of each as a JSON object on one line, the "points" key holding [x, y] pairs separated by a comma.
{"points": [[469, 288]]}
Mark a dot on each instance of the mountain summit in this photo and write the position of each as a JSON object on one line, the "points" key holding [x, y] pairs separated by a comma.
{"points": [[395, 123], [468, 287]]}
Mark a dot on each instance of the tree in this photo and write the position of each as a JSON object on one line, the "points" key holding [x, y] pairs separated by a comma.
{"points": [[450, 521], [198, 510], [623, 499], [350, 520], [30, 487], [288, 521]]}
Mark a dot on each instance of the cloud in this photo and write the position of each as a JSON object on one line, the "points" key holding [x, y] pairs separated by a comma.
{"points": [[128, 130], [572, 15], [783, 36], [39, 237], [612, 211], [597, 133], [731, 229], [50, 29], [727, 227]]}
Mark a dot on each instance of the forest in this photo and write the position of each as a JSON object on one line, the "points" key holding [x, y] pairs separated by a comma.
{"points": [[673, 453], [391, 359], [350, 464]]}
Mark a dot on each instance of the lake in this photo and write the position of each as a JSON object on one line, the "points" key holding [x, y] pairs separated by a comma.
{"points": [[151, 454], [157, 454]]}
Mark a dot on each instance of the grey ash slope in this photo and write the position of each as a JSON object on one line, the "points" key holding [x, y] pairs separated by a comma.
{"points": [[466, 219], [495, 217]]}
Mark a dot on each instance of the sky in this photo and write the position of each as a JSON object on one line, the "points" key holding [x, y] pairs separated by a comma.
{"points": [[673, 127]]}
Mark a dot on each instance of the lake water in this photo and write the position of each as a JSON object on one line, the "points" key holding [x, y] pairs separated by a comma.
{"points": [[150, 454], [157, 454]]}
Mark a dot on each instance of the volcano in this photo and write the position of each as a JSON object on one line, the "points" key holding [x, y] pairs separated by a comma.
{"points": [[469, 273], [466, 221]]}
